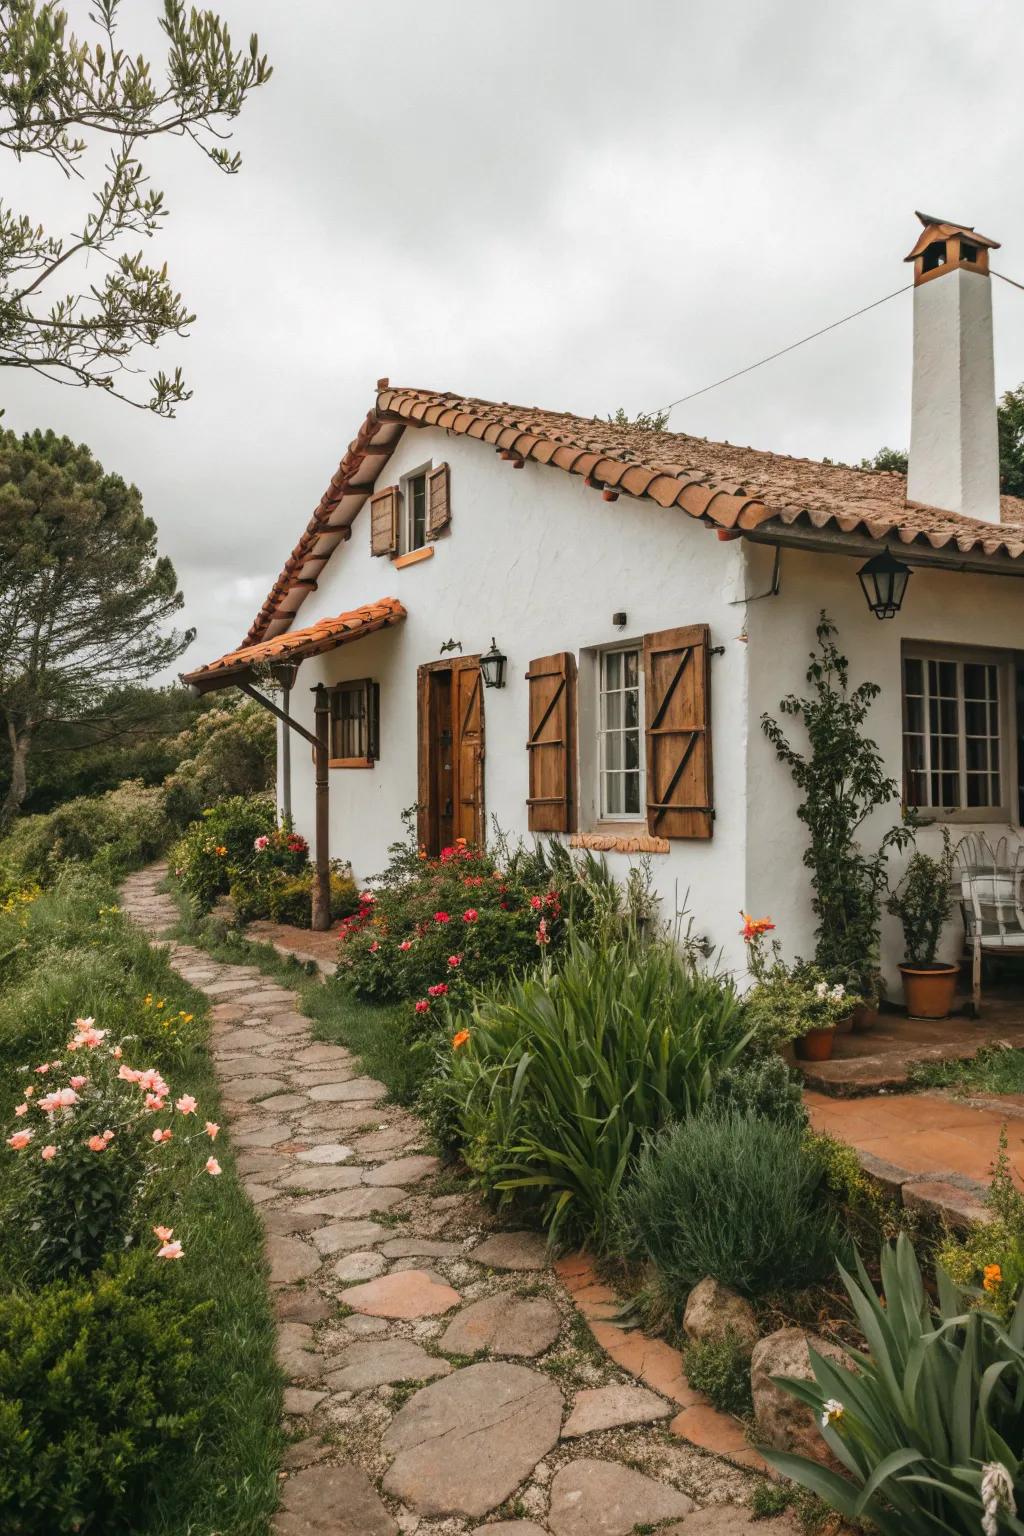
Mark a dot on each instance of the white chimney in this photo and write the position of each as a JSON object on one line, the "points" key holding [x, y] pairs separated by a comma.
{"points": [[954, 442]]}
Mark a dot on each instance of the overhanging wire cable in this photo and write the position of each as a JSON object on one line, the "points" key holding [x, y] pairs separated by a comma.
{"points": [[791, 348], [1012, 281]]}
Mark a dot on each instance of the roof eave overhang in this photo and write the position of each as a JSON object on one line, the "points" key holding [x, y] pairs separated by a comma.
{"points": [[827, 541]]}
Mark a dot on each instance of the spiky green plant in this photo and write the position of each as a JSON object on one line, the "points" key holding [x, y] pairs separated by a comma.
{"points": [[929, 1422]]}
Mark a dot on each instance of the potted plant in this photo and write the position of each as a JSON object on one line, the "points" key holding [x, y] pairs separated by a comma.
{"points": [[795, 1006], [923, 901]]}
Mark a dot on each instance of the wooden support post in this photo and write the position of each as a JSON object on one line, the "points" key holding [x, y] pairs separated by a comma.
{"points": [[286, 762], [321, 916]]}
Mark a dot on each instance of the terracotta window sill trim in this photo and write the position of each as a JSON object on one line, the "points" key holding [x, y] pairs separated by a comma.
{"points": [[620, 842], [351, 762], [414, 557]]}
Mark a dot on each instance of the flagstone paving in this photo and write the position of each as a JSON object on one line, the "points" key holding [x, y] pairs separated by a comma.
{"points": [[376, 1279]]}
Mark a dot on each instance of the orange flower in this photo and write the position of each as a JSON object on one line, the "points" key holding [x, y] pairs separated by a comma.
{"points": [[460, 1039], [753, 927], [993, 1277]]}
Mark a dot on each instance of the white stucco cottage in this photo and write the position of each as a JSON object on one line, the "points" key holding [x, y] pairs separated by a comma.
{"points": [[652, 594]]}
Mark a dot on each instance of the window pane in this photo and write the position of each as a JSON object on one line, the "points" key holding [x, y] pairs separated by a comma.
{"points": [[418, 512], [613, 794], [632, 794], [613, 669], [630, 667], [632, 740], [620, 746], [613, 751], [913, 676], [612, 711]]}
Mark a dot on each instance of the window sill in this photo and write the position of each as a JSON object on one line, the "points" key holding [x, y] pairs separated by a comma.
{"points": [[413, 557], [351, 762], [621, 839]]}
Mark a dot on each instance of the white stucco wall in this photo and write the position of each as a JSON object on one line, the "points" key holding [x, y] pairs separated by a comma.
{"points": [[540, 561], [940, 606]]}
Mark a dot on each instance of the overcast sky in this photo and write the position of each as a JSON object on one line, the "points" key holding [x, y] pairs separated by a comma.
{"points": [[569, 203]]}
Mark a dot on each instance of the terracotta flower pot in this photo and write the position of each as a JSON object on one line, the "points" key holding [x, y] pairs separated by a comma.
{"points": [[929, 989], [864, 1017], [816, 1045]]}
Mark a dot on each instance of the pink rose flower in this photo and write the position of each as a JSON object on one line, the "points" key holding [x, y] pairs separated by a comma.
{"points": [[96, 1144], [153, 1102], [21, 1109], [212, 1166], [48, 1153], [19, 1140], [78, 1082], [186, 1105], [162, 1135], [170, 1251], [211, 1129], [405, 944], [164, 1234]]}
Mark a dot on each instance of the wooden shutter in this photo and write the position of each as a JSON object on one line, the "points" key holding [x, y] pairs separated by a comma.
{"points": [[468, 720], [439, 510], [677, 686], [552, 743], [384, 507]]}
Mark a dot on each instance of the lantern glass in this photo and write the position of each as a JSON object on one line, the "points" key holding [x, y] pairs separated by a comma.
{"points": [[492, 667], [884, 583]]}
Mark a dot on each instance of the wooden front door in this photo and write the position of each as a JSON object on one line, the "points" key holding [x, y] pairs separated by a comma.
{"points": [[451, 753]]}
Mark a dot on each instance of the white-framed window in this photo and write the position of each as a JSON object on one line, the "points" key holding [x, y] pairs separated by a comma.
{"points": [[412, 530], [620, 735], [956, 733]]}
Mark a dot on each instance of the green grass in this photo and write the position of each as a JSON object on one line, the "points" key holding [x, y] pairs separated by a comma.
{"points": [[995, 1069], [63, 956]]}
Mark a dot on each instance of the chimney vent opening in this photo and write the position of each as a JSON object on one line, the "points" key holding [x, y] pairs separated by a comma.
{"points": [[934, 256], [968, 252]]}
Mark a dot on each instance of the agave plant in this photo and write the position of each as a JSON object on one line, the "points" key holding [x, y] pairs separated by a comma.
{"points": [[929, 1422]]}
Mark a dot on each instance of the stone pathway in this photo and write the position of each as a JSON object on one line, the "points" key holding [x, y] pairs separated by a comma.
{"points": [[441, 1379]]}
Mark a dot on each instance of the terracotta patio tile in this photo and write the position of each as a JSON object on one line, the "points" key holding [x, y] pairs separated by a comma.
{"points": [[709, 1428]]}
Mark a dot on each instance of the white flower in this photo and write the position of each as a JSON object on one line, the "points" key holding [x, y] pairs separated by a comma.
{"points": [[831, 1412], [996, 1494], [821, 990], [838, 992]]}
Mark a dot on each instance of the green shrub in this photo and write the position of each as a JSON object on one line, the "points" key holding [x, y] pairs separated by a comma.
{"points": [[116, 832], [762, 1086], [733, 1196], [558, 1076], [218, 848], [288, 898], [228, 751], [930, 1421], [476, 915], [720, 1368], [98, 1398]]}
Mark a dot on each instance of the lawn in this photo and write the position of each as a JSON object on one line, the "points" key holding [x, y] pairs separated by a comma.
{"points": [[995, 1069]]}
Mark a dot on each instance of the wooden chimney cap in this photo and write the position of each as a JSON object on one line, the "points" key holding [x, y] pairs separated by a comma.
{"points": [[941, 229]]}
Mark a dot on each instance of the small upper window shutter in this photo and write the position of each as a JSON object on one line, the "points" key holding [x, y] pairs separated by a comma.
{"points": [[439, 511], [552, 743], [677, 689], [384, 522]]}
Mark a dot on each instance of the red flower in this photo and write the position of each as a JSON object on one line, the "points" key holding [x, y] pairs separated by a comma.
{"points": [[422, 1006], [438, 989], [543, 937], [442, 917], [454, 961], [753, 927], [374, 947], [536, 903], [470, 915]]}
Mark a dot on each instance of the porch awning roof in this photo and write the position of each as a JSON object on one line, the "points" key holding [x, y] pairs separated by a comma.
{"points": [[297, 644]]}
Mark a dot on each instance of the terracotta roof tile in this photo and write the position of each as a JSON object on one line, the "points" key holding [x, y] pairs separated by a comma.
{"points": [[324, 635], [729, 486]]}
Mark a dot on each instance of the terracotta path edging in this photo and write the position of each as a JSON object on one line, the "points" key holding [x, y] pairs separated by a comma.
{"points": [[658, 1365], [378, 1275]]}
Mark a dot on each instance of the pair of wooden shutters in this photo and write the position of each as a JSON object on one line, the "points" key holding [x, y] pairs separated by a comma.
{"points": [[677, 695], [386, 511]]}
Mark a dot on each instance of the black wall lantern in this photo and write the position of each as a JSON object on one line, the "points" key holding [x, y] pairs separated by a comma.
{"points": [[492, 667], [884, 579]]}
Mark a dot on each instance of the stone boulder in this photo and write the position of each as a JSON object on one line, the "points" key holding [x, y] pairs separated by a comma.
{"points": [[781, 1421], [713, 1310]]}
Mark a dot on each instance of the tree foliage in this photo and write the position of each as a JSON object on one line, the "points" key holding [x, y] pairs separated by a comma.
{"points": [[644, 421], [84, 596], [1010, 419], [59, 96]]}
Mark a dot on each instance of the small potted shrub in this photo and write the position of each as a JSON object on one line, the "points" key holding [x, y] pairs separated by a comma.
{"points": [[923, 901], [797, 1005]]}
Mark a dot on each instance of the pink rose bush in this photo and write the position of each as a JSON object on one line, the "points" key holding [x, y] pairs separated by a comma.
{"points": [[86, 1157]]}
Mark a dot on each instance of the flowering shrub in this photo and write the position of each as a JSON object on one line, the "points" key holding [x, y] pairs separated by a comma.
{"points": [[436, 928], [288, 898], [216, 848], [85, 1146], [990, 1256], [97, 1395], [788, 1001]]}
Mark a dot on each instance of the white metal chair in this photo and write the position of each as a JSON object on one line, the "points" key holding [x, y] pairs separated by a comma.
{"points": [[991, 880]]}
